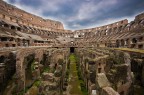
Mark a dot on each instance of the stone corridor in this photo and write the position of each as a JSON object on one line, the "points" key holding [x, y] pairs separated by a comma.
{"points": [[74, 83]]}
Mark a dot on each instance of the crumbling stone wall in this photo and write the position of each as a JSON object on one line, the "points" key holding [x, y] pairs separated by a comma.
{"points": [[7, 69], [24, 18], [112, 70], [21, 65]]}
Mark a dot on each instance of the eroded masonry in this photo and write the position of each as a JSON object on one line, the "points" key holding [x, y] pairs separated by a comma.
{"points": [[39, 57]]}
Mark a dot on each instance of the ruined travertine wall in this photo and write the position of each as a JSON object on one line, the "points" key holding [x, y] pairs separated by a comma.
{"points": [[7, 68], [118, 34], [19, 28], [105, 27], [139, 17], [13, 14], [108, 72]]}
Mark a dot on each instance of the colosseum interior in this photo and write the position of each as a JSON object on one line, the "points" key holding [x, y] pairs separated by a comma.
{"points": [[39, 57]]}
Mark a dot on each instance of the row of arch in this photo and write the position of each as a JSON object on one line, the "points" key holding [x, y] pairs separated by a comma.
{"points": [[123, 28], [32, 30]]}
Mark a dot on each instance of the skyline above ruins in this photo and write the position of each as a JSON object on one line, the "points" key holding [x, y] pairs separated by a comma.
{"points": [[80, 14]]}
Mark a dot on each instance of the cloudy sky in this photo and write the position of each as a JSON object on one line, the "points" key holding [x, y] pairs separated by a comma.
{"points": [[77, 14]]}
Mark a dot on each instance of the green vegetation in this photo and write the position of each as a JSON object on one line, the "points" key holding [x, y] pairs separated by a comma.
{"points": [[83, 88], [67, 74], [23, 91], [32, 65], [81, 81], [68, 70], [76, 82], [37, 83], [46, 69], [32, 88], [116, 59], [72, 58]]}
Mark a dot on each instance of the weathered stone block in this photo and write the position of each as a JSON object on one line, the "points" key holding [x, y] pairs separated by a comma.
{"points": [[102, 81], [48, 77]]}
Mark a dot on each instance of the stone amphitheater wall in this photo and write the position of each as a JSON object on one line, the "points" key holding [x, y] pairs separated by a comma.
{"points": [[14, 14]]}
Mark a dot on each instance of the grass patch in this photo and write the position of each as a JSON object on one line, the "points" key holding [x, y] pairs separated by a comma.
{"points": [[32, 89], [72, 58], [74, 81]]}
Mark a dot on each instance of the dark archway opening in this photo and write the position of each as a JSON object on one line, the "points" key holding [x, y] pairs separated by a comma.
{"points": [[2, 58], [13, 27], [72, 49], [122, 93]]}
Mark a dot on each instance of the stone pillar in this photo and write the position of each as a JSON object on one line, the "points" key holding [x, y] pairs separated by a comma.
{"points": [[119, 43], [143, 75], [129, 79], [130, 43], [2, 77], [125, 43]]}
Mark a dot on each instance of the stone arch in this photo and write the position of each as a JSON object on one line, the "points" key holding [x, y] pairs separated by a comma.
{"points": [[101, 32], [110, 31], [20, 66], [117, 43], [2, 58], [18, 28], [114, 29], [141, 38], [127, 42], [106, 32], [13, 27], [6, 25], [134, 40], [98, 33], [122, 42]]}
